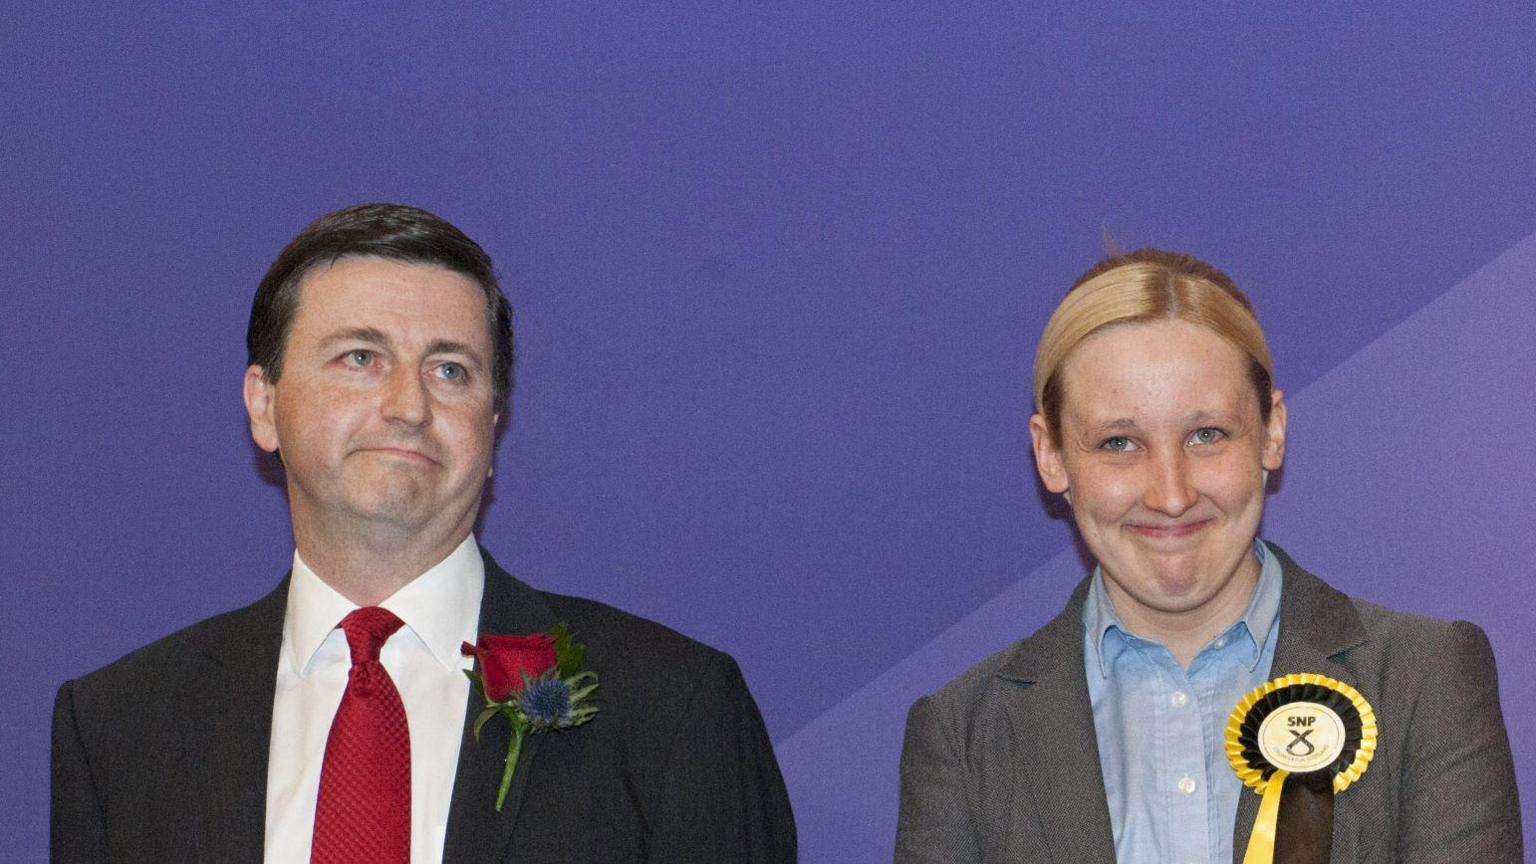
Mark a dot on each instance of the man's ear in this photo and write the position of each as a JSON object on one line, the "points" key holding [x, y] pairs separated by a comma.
{"points": [[1274, 443], [1053, 472], [261, 406], [490, 470]]}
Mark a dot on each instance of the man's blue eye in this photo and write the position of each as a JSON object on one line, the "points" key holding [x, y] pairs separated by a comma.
{"points": [[452, 371], [1208, 435], [1119, 442], [360, 357]]}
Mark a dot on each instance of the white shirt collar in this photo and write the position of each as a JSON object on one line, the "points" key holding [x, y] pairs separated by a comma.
{"points": [[441, 607]]}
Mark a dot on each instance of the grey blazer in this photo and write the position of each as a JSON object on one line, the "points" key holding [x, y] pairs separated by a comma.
{"points": [[162, 756], [1002, 764]]}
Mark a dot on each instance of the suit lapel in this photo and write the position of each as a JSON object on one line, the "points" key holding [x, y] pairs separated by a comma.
{"points": [[1318, 624], [228, 723], [476, 831], [1054, 746]]}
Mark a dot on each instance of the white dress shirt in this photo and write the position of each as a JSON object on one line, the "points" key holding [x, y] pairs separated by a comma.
{"points": [[441, 609]]}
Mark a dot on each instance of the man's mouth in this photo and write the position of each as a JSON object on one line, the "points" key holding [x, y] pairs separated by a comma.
{"points": [[403, 453]]}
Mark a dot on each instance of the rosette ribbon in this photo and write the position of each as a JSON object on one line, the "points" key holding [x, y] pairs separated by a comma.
{"points": [[1298, 741]]}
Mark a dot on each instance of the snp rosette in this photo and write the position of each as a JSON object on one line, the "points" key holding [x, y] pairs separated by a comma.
{"points": [[1300, 740]]}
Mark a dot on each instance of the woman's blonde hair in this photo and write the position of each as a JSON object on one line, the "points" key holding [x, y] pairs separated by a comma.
{"points": [[1142, 286]]}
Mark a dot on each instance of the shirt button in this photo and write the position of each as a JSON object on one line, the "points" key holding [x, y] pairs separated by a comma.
{"points": [[1221, 643], [1179, 699], [1187, 785]]}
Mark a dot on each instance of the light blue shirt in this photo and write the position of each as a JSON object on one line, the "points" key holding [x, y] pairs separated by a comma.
{"points": [[1172, 794]]}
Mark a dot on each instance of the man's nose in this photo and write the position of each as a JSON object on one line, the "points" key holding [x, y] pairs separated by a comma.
{"points": [[406, 399], [1170, 488]]}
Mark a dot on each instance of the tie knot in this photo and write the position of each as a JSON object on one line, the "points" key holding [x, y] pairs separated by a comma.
{"points": [[366, 630]]}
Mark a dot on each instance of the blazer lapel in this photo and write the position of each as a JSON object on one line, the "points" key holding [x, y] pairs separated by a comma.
{"points": [[1054, 746], [476, 831], [228, 723], [1318, 624]]}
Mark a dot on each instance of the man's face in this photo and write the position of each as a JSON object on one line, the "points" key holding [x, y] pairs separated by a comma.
{"points": [[1162, 452], [383, 414]]}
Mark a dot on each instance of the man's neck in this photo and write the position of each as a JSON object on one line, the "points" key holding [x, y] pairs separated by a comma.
{"points": [[368, 569]]}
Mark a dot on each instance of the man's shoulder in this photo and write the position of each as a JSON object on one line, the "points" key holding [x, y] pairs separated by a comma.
{"points": [[616, 637], [649, 675], [156, 666], [612, 636]]}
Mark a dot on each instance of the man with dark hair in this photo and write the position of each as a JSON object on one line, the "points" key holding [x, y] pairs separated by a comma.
{"points": [[332, 720], [391, 231]]}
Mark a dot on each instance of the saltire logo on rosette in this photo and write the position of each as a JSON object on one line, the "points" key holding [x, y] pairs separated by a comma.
{"points": [[1299, 740]]}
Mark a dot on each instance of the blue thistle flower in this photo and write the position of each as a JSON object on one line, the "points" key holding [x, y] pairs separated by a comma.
{"points": [[547, 702]]}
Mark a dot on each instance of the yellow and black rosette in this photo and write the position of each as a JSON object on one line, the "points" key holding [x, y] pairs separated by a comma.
{"points": [[1298, 741]]}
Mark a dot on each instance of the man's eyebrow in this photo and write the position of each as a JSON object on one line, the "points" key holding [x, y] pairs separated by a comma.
{"points": [[371, 335], [1117, 423], [448, 346]]}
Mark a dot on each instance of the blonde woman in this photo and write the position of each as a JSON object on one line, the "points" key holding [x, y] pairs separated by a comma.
{"points": [[1103, 736]]}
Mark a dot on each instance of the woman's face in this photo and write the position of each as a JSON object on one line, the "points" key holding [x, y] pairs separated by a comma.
{"points": [[1163, 454]]}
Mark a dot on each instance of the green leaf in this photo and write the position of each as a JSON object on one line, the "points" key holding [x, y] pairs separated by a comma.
{"points": [[474, 678], [485, 715], [568, 654], [573, 660]]}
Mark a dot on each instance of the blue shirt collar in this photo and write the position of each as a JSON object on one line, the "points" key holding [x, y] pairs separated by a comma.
{"points": [[1100, 619]]}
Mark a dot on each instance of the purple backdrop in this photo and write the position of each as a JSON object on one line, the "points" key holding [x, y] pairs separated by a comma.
{"points": [[778, 275]]}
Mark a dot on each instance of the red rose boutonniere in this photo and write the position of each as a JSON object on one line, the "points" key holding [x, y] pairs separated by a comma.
{"points": [[536, 682]]}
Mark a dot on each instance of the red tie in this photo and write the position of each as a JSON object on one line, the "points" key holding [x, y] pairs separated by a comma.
{"points": [[363, 813]]}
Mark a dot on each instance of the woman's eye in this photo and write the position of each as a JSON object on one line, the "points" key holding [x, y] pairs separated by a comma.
{"points": [[1208, 435]]}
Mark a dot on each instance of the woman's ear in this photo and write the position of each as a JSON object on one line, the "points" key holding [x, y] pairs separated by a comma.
{"points": [[1048, 461], [1274, 442]]}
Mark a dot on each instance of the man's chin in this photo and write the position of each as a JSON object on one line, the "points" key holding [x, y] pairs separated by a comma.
{"points": [[406, 512]]}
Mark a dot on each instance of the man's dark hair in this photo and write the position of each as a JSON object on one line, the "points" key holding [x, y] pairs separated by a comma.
{"points": [[394, 231]]}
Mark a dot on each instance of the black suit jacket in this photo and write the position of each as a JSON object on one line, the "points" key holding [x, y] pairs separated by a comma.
{"points": [[162, 756], [1002, 764]]}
